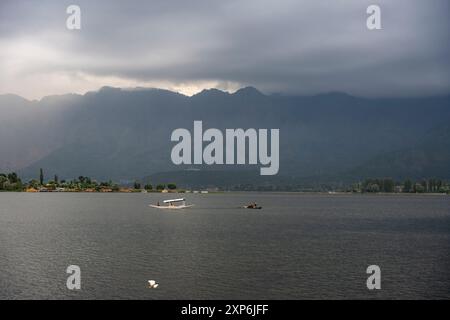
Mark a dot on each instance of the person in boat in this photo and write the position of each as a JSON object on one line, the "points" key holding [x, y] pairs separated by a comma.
{"points": [[157, 204], [252, 205]]}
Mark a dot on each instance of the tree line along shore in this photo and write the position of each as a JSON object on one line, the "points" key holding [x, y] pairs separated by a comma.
{"points": [[12, 182]]}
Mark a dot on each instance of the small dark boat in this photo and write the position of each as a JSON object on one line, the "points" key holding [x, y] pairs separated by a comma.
{"points": [[252, 206]]}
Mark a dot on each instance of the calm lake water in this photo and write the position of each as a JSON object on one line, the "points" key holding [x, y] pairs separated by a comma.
{"points": [[299, 246]]}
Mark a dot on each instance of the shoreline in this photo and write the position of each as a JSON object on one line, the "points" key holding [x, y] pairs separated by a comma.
{"points": [[237, 191]]}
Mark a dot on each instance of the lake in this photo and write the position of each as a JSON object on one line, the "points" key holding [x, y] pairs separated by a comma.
{"points": [[299, 246]]}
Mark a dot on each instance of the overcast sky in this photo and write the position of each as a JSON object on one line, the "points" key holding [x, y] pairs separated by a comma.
{"points": [[293, 47]]}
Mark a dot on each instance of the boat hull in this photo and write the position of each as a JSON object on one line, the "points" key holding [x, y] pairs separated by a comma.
{"points": [[171, 207]]}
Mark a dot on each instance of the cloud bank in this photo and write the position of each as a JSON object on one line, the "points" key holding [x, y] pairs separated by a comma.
{"points": [[292, 47]]}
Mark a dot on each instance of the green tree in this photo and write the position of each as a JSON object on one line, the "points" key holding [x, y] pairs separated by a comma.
{"points": [[34, 184], [137, 185], [3, 181], [160, 187], [41, 176], [148, 187], [373, 187], [439, 185], [388, 185], [418, 188], [356, 187], [424, 184], [171, 186], [407, 186], [12, 177]]}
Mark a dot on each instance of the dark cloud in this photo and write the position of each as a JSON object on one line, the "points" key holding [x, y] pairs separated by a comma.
{"points": [[297, 47]]}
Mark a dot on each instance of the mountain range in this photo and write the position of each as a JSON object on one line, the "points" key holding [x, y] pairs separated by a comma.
{"points": [[124, 135]]}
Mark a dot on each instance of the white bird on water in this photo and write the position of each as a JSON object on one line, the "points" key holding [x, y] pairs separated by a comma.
{"points": [[152, 284]]}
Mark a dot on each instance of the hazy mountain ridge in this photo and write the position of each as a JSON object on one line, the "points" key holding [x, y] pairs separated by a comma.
{"points": [[125, 134], [429, 157]]}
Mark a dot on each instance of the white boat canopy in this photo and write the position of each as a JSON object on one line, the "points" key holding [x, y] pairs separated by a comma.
{"points": [[174, 200]]}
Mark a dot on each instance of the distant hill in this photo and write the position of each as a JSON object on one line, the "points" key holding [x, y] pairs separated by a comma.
{"points": [[125, 134], [428, 158]]}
